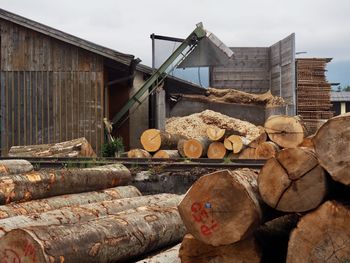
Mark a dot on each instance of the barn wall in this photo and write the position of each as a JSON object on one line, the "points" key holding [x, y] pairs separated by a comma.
{"points": [[50, 91]]}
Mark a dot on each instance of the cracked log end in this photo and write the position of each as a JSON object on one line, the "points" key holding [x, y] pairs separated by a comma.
{"points": [[322, 236]]}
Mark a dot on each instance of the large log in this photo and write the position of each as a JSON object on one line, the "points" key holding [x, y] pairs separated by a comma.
{"points": [[285, 131], [57, 202], [193, 148], [266, 150], [216, 150], [74, 148], [321, 236], [332, 147], [83, 213], [41, 184], [15, 167], [107, 239], [194, 251], [170, 255], [212, 208], [167, 154], [139, 153], [153, 140], [293, 181]]}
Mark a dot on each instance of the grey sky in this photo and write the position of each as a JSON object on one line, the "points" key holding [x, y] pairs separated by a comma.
{"points": [[322, 27]]}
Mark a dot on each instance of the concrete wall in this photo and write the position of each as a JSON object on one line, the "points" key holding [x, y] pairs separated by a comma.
{"points": [[139, 116]]}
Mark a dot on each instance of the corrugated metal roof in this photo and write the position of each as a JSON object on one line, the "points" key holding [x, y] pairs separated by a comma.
{"points": [[76, 41], [340, 96]]}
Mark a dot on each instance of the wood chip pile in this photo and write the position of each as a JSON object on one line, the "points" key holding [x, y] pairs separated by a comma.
{"points": [[294, 210]]}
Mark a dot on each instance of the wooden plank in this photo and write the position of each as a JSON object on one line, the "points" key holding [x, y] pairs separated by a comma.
{"points": [[29, 109], [21, 106], [4, 114]]}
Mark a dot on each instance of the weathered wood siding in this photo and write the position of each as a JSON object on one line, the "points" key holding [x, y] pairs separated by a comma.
{"points": [[51, 91], [248, 71], [282, 71]]}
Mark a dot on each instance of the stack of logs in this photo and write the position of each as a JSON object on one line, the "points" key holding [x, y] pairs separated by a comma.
{"points": [[278, 132], [293, 210], [81, 215]]}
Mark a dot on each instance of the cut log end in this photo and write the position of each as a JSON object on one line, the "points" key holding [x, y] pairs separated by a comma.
{"points": [[235, 143], [216, 150], [166, 154], [266, 150], [151, 140], [215, 134], [193, 148]]}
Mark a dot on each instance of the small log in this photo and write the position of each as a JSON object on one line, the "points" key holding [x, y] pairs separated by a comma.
{"points": [[321, 236], [139, 153], [236, 143], [193, 148], [84, 213], [193, 251], [285, 131], [260, 139], [247, 153], [293, 181], [331, 143], [273, 237], [14, 167], [215, 133], [170, 255], [216, 150], [266, 150], [57, 202], [167, 154], [107, 239], [45, 183], [73, 148], [212, 207], [153, 140]]}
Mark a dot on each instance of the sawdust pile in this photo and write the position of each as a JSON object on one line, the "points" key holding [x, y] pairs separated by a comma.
{"points": [[239, 97], [195, 125]]}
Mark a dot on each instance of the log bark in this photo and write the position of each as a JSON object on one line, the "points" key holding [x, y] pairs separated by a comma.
{"points": [[193, 251], [57, 202], [216, 150], [73, 148], [106, 239], [84, 213], [153, 140], [212, 207], [332, 147], [216, 134], [273, 237], [236, 143], [167, 154], [170, 255], [14, 167], [139, 153], [321, 236], [266, 150], [45, 183], [193, 148], [285, 131], [293, 181]]}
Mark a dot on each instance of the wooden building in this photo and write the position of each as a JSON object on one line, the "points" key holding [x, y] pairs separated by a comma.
{"points": [[340, 102]]}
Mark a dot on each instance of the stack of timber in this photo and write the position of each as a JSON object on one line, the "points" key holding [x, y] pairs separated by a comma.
{"points": [[294, 210], [74, 148], [109, 225], [216, 136], [313, 92]]}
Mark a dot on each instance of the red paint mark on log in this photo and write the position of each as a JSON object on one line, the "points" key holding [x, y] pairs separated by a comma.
{"points": [[29, 250], [10, 256], [207, 224]]}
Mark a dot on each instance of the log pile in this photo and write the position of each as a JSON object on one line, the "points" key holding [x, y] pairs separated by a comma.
{"points": [[295, 209], [213, 135], [49, 216]]}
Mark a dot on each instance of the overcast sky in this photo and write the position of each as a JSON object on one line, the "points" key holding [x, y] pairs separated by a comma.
{"points": [[322, 27]]}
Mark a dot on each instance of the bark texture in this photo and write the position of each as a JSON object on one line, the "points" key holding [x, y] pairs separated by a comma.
{"points": [[170, 255], [293, 181], [194, 251], [57, 202], [332, 147], [73, 148], [107, 239], [222, 207], [167, 154], [15, 167], [322, 236], [84, 213], [139, 153], [41, 184]]}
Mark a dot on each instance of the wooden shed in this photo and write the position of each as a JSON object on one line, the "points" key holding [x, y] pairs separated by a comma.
{"points": [[55, 86]]}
